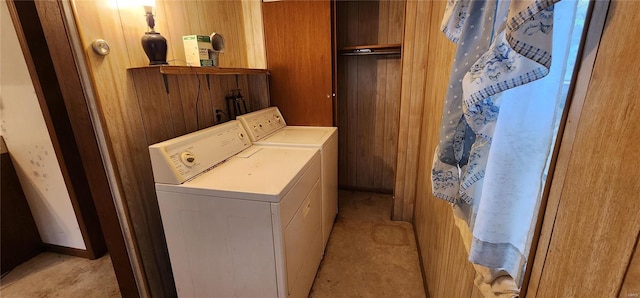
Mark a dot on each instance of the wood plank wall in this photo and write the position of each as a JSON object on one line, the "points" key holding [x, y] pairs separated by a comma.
{"points": [[594, 228], [417, 30], [240, 22], [368, 94], [167, 115], [631, 285], [594, 224], [135, 106], [426, 66]]}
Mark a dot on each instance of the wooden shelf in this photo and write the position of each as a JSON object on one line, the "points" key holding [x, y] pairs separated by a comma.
{"points": [[379, 49], [206, 70]]}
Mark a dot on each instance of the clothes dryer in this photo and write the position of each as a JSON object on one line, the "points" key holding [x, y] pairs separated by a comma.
{"points": [[267, 127], [239, 220]]}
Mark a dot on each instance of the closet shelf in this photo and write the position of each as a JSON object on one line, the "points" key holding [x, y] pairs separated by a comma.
{"points": [[381, 49], [205, 70]]}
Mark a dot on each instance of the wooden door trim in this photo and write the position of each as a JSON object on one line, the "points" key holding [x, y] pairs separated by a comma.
{"points": [[45, 83], [49, 55]]}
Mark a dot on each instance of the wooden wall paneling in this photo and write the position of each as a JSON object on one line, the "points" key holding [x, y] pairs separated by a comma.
{"points": [[154, 104], [220, 89], [121, 116], [454, 264], [391, 120], [631, 285], [411, 103], [180, 14], [178, 117], [206, 108], [259, 91], [239, 22], [242, 84], [187, 86], [194, 93], [589, 257], [383, 18], [368, 127], [226, 18], [366, 104], [549, 207], [137, 111], [134, 169], [254, 33], [395, 21], [341, 19], [407, 69], [475, 293], [353, 122], [228, 83], [132, 21], [352, 24], [448, 273], [369, 24], [392, 34], [378, 119]]}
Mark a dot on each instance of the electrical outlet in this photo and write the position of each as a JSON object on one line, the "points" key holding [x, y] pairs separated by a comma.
{"points": [[219, 115]]}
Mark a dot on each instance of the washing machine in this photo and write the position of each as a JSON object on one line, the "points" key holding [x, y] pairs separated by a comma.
{"points": [[239, 220], [267, 127]]}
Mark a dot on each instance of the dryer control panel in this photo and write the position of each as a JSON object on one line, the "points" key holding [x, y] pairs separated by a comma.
{"points": [[177, 160], [262, 123]]}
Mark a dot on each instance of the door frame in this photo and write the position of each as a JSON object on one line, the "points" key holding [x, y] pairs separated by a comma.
{"points": [[58, 81]]}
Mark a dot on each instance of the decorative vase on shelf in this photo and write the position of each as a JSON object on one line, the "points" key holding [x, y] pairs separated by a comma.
{"points": [[155, 46]]}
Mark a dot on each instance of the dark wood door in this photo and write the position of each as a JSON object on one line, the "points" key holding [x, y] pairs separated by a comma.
{"points": [[299, 56]]}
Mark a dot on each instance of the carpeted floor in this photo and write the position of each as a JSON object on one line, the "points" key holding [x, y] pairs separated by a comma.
{"points": [[368, 255], [54, 275]]}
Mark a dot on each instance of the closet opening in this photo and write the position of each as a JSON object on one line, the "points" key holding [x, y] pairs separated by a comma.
{"points": [[369, 44]]}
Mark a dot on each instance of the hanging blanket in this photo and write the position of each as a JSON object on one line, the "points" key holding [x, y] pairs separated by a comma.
{"points": [[501, 45]]}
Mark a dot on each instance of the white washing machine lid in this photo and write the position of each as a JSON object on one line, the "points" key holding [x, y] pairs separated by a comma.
{"points": [[258, 173], [299, 135]]}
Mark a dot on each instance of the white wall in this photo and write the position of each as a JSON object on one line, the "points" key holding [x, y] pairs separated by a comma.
{"points": [[23, 128]]}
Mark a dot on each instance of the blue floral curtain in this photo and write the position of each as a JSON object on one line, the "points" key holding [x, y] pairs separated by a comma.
{"points": [[501, 45]]}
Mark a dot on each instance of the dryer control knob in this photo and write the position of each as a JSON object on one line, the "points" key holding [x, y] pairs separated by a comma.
{"points": [[188, 159], [277, 118]]}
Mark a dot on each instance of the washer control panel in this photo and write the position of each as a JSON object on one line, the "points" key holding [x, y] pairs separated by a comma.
{"points": [[179, 159], [262, 123]]}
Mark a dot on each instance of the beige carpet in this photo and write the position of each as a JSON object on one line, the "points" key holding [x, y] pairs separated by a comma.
{"points": [[54, 275], [368, 255]]}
